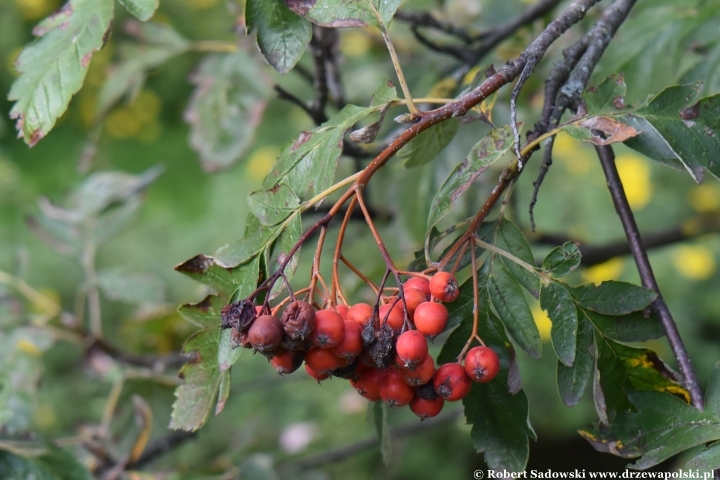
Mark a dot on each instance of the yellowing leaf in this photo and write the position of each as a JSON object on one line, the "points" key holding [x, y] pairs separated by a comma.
{"points": [[635, 175], [695, 262]]}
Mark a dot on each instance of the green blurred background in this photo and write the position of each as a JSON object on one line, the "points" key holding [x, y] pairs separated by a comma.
{"points": [[58, 391]]}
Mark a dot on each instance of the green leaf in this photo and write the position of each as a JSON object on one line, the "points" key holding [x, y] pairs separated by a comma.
{"points": [[142, 9], [483, 154], [633, 327], [557, 302], [195, 397], [203, 269], [662, 427], [137, 288], [281, 34], [346, 13], [225, 108], [510, 304], [712, 396], [428, 145], [307, 165], [51, 464], [223, 392], [562, 260], [204, 314], [227, 355], [613, 298], [611, 130], [573, 380], [383, 429], [606, 98], [245, 277], [385, 94], [690, 132], [509, 238], [241, 251], [53, 68], [274, 205], [158, 44], [708, 459]]}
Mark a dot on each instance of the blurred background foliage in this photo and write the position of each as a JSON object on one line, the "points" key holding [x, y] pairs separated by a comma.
{"points": [[55, 387]]}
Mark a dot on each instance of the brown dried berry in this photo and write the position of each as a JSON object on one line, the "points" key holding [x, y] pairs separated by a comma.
{"points": [[239, 339], [298, 320], [239, 315], [265, 334]]}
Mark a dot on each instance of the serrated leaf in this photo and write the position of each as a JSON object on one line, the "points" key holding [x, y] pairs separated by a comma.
{"points": [[282, 35], [485, 152], [558, 304], [562, 260], [240, 251], [346, 13], [157, 44], [51, 464], [307, 165], [612, 130], [287, 240], [227, 355], [572, 380], [386, 93], [383, 429], [428, 145], [205, 270], [142, 9], [708, 459], [195, 397], [204, 314], [53, 68], [509, 238], [512, 308], [613, 298], [274, 205], [225, 108], [662, 427], [690, 131]]}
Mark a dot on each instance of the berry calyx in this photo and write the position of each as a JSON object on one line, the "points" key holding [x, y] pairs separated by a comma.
{"points": [[419, 283], [412, 349], [394, 391], [481, 364], [329, 329], [317, 376], [361, 313], [425, 408], [298, 320], [421, 375], [430, 318], [451, 382], [351, 344], [287, 361], [444, 287], [265, 333]]}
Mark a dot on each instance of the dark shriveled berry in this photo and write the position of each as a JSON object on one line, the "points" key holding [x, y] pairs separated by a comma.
{"points": [[298, 320], [239, 315], [265, 334], [239, 339]]}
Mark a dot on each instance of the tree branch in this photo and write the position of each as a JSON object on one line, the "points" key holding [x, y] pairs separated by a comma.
{"points": [[617, 192]]}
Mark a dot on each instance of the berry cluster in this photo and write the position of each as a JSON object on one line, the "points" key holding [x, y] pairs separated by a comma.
{"points": [[381, 350]]}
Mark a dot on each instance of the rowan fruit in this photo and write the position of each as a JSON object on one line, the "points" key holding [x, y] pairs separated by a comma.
{"points": [[265, 333], [481, 364], [444, 287], [329, 329], [412, 349], [451, 382], [430, 318]]}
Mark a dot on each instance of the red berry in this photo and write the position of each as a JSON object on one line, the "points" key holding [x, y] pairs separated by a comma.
{"points": [[430, 318], [329, 329], [351, 344], [368, 385], [287, 361], [394, 391], [412, 349], [425, 408], [421, 375], [413, 298], [419, 283], [265, 333], [444, 287], [317, 376], [361, 313], [323, 361], [396, 316], [342, 310], [481, 364], [298, 320], [451, 382]]}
